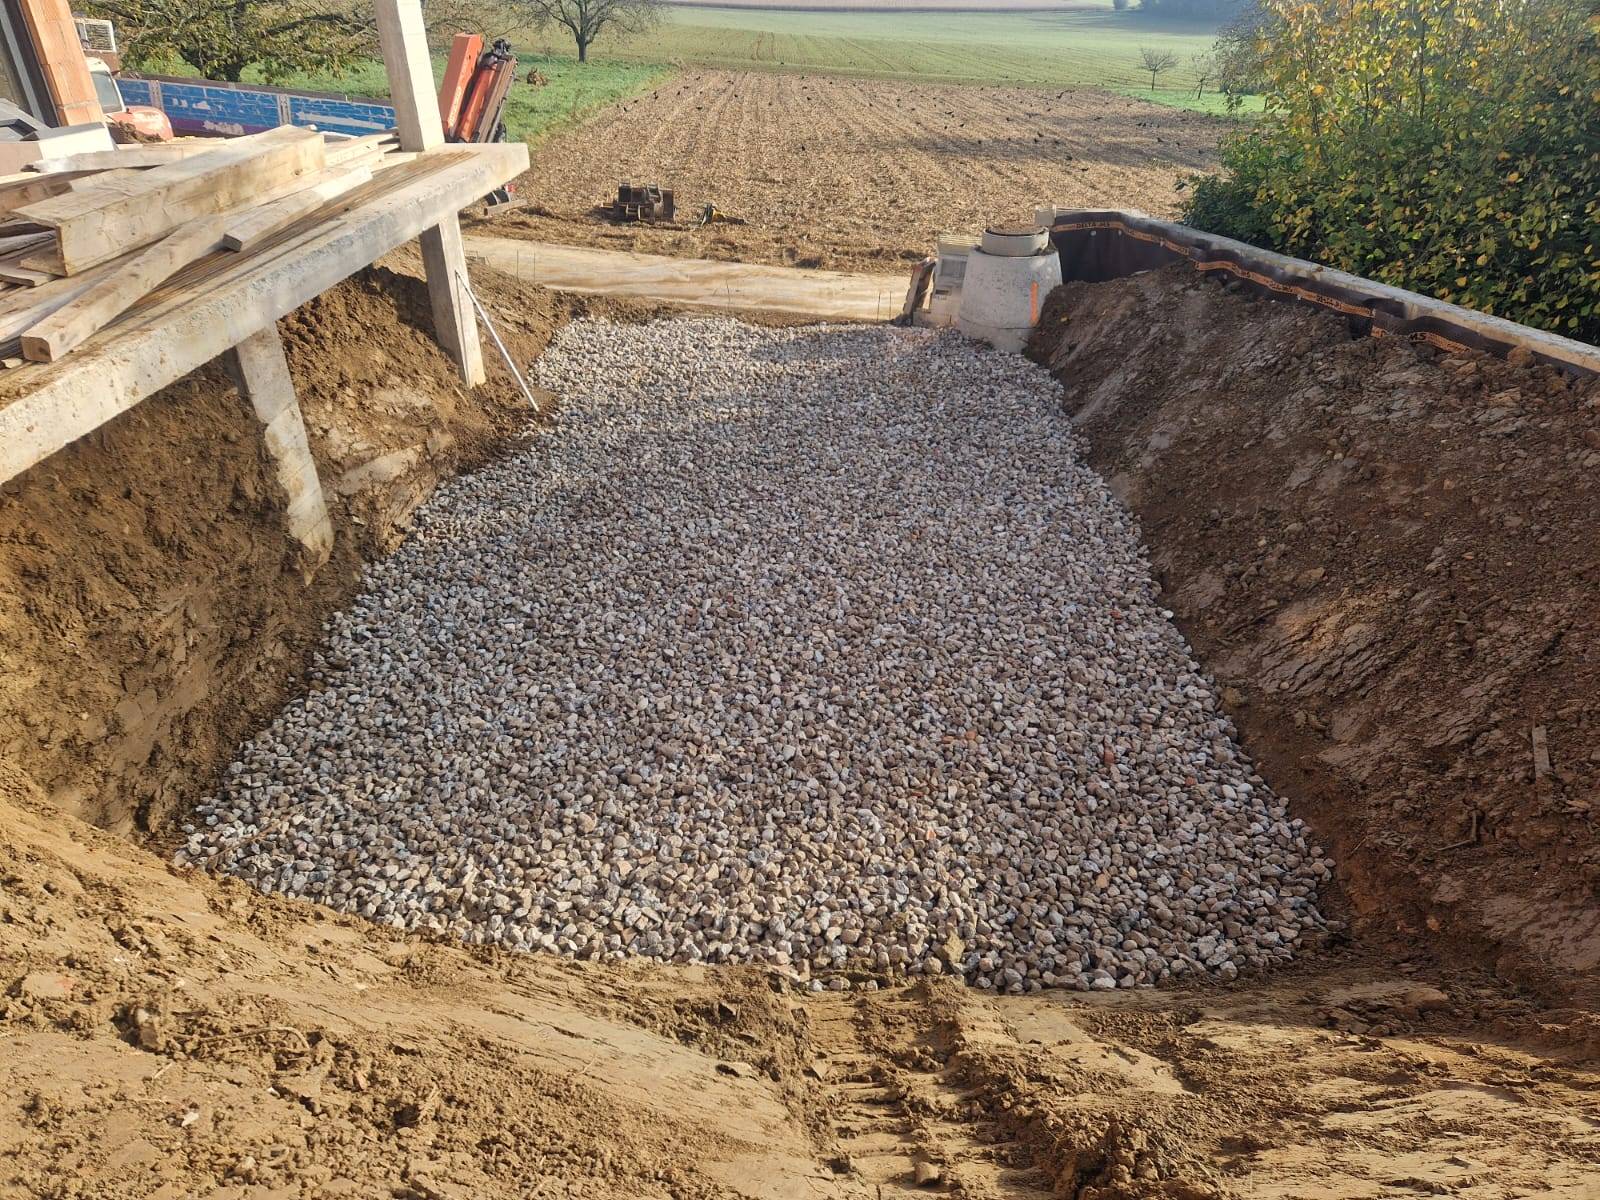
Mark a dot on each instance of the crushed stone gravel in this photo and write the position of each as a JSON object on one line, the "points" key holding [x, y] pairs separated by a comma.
{"points": [[814, 647]]}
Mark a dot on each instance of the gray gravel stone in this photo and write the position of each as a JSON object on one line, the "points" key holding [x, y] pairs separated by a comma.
{"points": [[814, 647]]}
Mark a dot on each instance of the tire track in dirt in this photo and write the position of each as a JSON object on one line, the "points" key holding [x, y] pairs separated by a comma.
{"points": [[904, 1120]]}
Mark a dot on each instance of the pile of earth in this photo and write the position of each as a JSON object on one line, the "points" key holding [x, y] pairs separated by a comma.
{"points": [[153, 610]]}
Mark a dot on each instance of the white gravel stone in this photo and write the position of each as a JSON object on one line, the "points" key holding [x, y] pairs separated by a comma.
{"points": [[813, 647]]}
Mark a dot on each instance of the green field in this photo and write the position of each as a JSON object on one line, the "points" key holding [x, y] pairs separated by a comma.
{"points": [[573, 90], [1095, 47]]}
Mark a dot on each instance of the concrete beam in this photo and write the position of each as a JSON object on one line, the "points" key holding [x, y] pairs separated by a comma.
{"points": [[151, 348]]}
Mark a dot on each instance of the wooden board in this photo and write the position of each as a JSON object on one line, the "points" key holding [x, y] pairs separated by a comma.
{"points": [[60, 402], [13, 273], [107, 220], [29, 306], [155, 155], [253, 227], [358, 148], [27, 188], [77, 321]]}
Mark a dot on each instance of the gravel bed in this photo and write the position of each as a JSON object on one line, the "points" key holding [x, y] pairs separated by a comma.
{"points": [[813, 647]]}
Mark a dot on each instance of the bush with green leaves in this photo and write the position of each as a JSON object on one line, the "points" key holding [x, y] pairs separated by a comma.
{"points": [[1451, 147], [221, 38]]}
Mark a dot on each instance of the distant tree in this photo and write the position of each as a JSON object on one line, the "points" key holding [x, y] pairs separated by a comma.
{"points": [[586, 19], [1119, 5], [492, 18], [220, 38], [1156, 61], [1239, 52], [1205, 69]]}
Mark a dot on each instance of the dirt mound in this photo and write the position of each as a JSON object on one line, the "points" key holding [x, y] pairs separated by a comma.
{"points": [[152, 606], [1389, 559]]}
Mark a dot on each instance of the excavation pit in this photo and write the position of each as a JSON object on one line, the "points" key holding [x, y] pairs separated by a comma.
{"points": [[817, 647]]}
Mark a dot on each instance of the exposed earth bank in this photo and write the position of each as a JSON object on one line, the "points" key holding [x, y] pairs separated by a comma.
{"points": [[167, 1034], [1388, 558], [152, 610]]}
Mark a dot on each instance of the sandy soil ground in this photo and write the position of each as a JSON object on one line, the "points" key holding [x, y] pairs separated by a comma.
{"points": [[856, 175], [1388, 559], [166, 1034]]}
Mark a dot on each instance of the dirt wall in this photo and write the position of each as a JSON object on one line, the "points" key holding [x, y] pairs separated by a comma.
{"points": [[153, 608], [1389, 559]]}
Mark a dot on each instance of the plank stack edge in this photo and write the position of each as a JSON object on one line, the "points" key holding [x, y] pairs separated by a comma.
{"points": [[85, 237]]}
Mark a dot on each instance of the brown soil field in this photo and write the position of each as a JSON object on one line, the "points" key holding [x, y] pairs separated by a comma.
{"points": [[852, 174], [167, 1034]]}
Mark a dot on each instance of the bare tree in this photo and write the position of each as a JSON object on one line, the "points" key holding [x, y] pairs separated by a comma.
{"points": [[1205, 68], [1238, 51], [1156, 61], [584, 19]]}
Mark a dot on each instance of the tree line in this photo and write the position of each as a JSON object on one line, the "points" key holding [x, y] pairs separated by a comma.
{"points": [[219, 39]]}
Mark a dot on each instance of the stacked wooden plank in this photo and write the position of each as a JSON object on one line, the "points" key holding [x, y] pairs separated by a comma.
{"points": [[86, 237]]}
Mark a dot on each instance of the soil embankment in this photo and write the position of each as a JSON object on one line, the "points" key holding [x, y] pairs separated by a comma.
{"points": [[1388, 559], [153, 609]]}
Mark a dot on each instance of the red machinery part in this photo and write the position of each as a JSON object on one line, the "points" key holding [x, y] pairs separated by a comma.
{"points": [[491, 81], [459, 71], [140, 123]]}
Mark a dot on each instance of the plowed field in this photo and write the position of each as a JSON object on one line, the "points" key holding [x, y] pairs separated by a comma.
{"points": [[853, 174]]}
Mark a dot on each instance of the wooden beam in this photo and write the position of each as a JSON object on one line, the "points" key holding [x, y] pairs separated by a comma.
{"points": [[357, 149], [262, 372], [109, 219], [405, 57], [143, 157], [162, 342], [404, 42], [138, 274], [19, 190], [261, 222], [79, 319], [455, 323], [25, 309]]}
